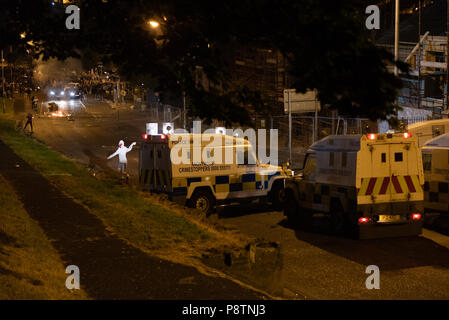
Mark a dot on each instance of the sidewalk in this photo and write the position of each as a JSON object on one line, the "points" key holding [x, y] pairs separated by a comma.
{"points": [[109, 267]]}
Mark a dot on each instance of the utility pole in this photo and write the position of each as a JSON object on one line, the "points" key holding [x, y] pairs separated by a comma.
{"points": [[396, 37], [3, 82], [290, 127], [419, 52], [447, 55], [184, 107]]}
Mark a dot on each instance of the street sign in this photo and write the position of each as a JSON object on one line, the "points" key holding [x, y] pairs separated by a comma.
{"points": [[301, 102]]}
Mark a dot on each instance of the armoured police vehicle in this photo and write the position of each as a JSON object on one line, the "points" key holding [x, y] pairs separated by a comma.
{"points": [[435, 155], [369, 185], [194, 173]]}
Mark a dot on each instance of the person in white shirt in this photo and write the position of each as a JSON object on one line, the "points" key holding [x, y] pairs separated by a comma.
{"points": [[121, 152]]}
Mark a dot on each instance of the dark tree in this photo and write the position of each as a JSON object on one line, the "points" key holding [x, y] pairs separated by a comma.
{"points": [[326, 43]]}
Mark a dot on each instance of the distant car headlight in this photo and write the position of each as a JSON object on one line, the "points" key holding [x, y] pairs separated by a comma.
{"points": [[52, 93], [72, 94], [62, 93]]}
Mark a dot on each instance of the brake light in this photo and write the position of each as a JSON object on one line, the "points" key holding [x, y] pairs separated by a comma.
{"points": [[145, 136], [416, 216], [372, 136], [162, 136], [364, 220], [407, 135]]}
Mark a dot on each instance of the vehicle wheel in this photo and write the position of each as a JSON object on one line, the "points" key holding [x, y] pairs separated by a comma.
{"points": [[291, 208], [337, 217], [277, 195], [202, 200]]}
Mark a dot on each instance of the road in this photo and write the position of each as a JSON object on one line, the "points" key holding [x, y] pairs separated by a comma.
{"points": [[93, 132], [315, 264]]}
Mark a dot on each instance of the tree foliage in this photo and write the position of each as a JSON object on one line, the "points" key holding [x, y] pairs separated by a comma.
{"points": [[326, 43]]}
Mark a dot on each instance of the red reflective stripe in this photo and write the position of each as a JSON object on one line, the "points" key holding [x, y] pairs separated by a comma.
{"points": [[384, 186], [396, 184], [371, 184], [410, 185]]}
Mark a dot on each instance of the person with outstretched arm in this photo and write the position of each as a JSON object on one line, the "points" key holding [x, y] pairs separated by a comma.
{"points": [[121, 152]]}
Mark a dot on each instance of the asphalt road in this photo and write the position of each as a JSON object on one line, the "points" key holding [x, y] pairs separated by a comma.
{"points": [[93, 132], [315, 264]]}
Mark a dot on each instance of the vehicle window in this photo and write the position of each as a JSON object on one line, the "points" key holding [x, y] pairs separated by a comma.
{"points": [[437, 130], [427, 161], [398, 156], [383, 157], [310, 166]]}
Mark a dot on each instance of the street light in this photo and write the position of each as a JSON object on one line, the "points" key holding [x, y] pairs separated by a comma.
{"points": [[153, 24]]}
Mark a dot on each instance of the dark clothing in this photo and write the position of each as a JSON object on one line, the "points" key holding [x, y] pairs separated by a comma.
{"points": [[29, 121]]}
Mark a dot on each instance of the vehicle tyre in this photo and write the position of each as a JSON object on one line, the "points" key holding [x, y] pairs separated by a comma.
{"points": [[203, 200], [277, 195], [337, 218], [291, 208]]}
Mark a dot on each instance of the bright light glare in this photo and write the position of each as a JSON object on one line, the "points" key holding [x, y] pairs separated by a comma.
{"points": [[52, 93], [416, 216], [153, 24], [57, 114]]}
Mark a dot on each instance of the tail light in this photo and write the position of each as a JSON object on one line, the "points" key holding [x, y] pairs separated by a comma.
{"points": [[371, 136], [416, 216], [407, 135], [363, 220], [163, 136], [145, 136]]}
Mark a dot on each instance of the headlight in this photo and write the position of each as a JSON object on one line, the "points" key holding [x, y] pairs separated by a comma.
{"points": [[52, 93], [72, 94], [62, 93]]}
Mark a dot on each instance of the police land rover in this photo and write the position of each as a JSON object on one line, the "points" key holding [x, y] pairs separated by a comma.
{"points": [[195, 173], [370, 186]]}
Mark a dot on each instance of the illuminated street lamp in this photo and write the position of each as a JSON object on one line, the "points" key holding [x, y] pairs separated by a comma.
{"points": [[153, 24]]}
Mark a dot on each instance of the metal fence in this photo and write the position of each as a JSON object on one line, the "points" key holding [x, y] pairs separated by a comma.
{"points": [[305, 130]]}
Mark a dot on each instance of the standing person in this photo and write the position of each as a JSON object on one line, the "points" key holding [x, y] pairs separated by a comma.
{"points": [[29, 121], [122, 160]]}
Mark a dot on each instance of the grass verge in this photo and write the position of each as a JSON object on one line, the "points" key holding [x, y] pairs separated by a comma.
{"points": [[30, 268], [6, 106], [133, 216]]}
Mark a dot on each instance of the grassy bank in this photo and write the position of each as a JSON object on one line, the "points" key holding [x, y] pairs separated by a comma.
{"points": [[30, 268], [134, 216], [6, 106]]}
